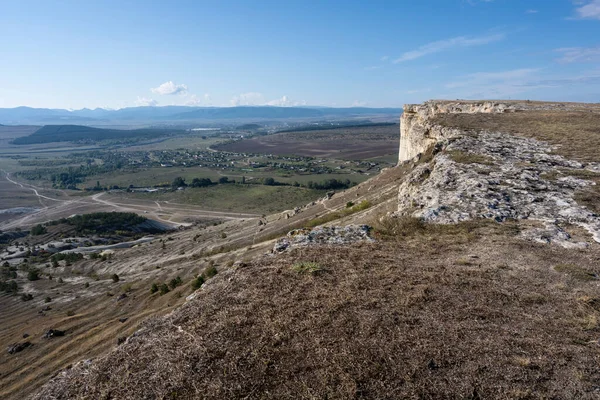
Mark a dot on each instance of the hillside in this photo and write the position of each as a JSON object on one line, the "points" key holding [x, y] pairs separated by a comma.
{"points": [[76, 133], [177, 114], [479, 279]]}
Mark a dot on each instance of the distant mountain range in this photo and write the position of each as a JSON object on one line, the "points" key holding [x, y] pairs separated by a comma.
{"points": [[181, 114]]}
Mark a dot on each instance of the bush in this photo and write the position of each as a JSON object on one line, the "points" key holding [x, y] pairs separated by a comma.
{"points": [[87, 285], [47, 300], [164, 289], [33, 275], [198, 282], [210, 272], [26, 296], [9, 287], [175, 282], [154, 288], [115, 278], [38, 230]]}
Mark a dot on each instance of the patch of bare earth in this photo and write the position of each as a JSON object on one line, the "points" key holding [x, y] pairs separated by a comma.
{"points": [[456, 311]]}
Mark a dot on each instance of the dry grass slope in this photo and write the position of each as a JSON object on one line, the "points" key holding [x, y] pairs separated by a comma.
{"points": [[428, 313]]}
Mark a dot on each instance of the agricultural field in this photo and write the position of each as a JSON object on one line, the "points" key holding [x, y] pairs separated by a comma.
{"points": [[247, 169], [347, 143]]}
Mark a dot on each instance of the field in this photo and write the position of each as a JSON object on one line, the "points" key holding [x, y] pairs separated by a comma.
{"points": [[51, 176], [257, 199], [352, 143]]}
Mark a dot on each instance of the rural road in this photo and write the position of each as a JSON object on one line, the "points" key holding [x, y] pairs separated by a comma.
{"points": [[98, 202]]}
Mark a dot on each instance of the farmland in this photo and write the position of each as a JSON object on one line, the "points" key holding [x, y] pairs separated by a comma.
{"points": [[349, 143], [249, 169]]}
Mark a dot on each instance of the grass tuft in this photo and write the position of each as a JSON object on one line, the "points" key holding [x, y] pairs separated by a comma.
{"points": [[307, 267]]}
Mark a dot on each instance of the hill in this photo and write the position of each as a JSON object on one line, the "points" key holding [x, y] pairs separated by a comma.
{"points": [[75, 133], [178, 114], [478, 279]]}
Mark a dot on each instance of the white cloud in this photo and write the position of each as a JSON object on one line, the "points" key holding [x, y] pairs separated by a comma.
{"points": [[143, 101], [447, 44], [372, 67], [590, 10], [169, 88], [248, 99], [579, 54], [531, 12], [194, 100], [285, 101], [257, 99], [358, 103], [385, 58]]}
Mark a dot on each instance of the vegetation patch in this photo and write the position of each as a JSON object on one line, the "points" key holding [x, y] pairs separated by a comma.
{"points": [[307, 267], [576, 272], [363, 205]]}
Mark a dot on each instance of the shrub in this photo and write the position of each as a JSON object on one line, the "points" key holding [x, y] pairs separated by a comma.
{"points": [[33, 275], [210, 271], [9, 287], [154, 288], [175, 282], [223, 235], [115, 278], [164, 289], [47, 300], [349, 204], [198, 282], [38, 230], [87, 285], [26, 296]]}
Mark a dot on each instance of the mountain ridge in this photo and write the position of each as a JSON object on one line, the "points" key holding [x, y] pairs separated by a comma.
{"points": [[30, 115]]}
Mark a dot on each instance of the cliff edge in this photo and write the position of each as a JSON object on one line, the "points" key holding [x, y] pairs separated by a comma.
{"points": [[504, 161]]}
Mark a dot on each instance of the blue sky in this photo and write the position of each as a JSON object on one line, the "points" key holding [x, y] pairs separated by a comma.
{"points": [[75, 54]]}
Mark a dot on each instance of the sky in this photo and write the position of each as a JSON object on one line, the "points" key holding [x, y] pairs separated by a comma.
{"points": [[114, 54]]}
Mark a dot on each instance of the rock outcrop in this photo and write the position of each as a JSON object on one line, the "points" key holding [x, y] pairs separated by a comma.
{"points": [[492, 175], [417, 132]]}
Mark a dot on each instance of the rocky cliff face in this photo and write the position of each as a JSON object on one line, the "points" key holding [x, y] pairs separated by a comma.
{"points": [[417, 132], [493, 174]]}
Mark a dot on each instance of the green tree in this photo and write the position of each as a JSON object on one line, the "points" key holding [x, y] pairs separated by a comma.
{"points": [[38, 230], [178, 182]]}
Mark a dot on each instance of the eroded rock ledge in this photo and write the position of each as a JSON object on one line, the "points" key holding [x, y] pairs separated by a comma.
{"points": [[495, 175]]}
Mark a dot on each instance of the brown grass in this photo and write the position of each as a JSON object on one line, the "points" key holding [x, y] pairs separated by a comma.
{"points": [[577, 134], [394, 319]]}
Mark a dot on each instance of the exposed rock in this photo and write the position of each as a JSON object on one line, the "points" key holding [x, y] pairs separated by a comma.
{"points": [[322, 236], [417, 132], [51, 333], [504, 177], [17, 347]]}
